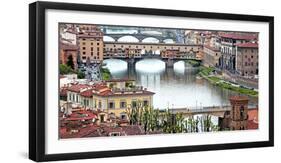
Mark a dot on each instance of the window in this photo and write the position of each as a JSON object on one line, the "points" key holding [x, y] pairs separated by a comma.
{"points": [[86, 102], [99, 105], [98, 49], [123, 116], [84, 53], [92, 53], [83, 57], [145, 103], [114, 134], [83, 43], [84, 48], [92, 43], [242, 113], [98, 43], [92, 48], [111, 105], [101, 118], [123, 104]]}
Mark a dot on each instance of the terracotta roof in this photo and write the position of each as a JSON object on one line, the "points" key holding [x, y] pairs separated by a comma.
{"points": [[81, 115], [68, 46], [253, 114], [104, 91], [87, 93], [238, 98], [247, 45], [239, 36], [77, 87], [252, 125]]}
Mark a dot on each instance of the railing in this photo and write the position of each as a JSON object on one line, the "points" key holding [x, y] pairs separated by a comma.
{"points": [[212, 109]]}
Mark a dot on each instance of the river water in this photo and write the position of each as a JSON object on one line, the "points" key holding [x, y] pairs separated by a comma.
{"points": [[175, 87]]}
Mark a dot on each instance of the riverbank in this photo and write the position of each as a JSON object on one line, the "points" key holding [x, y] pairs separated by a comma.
{"points": [[206, 73], [194, 63]]}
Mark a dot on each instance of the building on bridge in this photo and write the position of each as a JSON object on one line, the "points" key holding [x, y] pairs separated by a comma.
{"points": [[137, 50]]}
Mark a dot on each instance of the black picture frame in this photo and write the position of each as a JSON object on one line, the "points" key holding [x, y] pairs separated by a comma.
{"points": [[37, 80]]}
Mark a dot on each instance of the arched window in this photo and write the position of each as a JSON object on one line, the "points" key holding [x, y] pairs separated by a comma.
{"points": [[242, 113]]}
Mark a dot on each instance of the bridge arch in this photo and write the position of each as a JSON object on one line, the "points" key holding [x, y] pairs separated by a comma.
{"points": [[108, 39], [150, 40], [128, 38], [169, 41]]}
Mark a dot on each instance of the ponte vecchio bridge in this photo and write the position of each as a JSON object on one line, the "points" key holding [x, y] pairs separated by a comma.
{"points": [[168, 52]]}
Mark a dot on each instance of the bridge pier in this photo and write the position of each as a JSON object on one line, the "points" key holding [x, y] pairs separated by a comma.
{"points": [[169, 63], [131, 63]]}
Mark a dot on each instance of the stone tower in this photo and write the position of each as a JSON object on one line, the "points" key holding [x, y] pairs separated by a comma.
{"points": [[238, 113]]}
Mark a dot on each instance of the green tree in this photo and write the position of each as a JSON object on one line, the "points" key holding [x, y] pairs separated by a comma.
{"points": [[80, 74], [70, 62], [65, 69]]}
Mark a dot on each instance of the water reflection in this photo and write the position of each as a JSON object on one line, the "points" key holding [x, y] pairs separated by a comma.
{"points": [[118, 68], [150, 66], [175, 87]]}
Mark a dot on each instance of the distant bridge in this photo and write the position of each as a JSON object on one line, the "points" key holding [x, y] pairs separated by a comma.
{"points": [[139, 36], [211, 110]]}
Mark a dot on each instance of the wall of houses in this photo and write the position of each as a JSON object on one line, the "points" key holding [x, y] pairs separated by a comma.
{"points": [[247, 61]]}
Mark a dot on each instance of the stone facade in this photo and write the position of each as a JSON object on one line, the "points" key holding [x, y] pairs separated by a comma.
{"points": [[90, 42], [247, 59], [239, 113], [211, 56], [67, 50]]}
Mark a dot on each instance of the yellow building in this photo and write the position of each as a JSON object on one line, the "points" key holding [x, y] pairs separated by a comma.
{"points": [[112, 100]]}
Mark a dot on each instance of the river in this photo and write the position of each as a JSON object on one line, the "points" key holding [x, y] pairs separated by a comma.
{"points": [[175, 87]]}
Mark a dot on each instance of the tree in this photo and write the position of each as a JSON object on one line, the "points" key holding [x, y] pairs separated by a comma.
{"points": [[65, 69], [80, 74], [70, 62]]}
